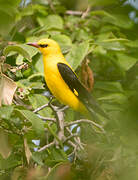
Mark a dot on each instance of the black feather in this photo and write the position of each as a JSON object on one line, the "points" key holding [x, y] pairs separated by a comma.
{"points": [[84, 96]]}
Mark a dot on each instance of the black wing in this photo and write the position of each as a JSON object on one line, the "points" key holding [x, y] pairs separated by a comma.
{"points": [[74, 84]]}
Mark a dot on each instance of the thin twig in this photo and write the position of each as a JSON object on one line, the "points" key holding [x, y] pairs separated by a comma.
{"points": [[46, 146], [40, 108], [85, 121], [86, 12], [75, 139], [47, 118], [51, 5], [74, 150], [69, 137], [78, 13], [59, 120], [63, 108]]}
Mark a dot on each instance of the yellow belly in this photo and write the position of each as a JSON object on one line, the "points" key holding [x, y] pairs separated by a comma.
{"points": [[60, 89]]}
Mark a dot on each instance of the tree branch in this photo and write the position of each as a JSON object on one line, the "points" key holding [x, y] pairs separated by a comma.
{"points": [[84, 14], [40, 108], [78, 13], [71, 136], [78, 143], [47, 118], [59, 120], [86, 121], [46, 146]]}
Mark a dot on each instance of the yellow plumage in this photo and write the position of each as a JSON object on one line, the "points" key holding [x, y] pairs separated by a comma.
{"points": [[51, 57], [63, 82]]}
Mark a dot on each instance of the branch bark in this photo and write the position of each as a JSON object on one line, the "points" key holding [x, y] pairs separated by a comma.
{"points": [[86, 121], [46, 146]]}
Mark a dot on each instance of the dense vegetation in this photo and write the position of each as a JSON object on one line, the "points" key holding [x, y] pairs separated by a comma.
{"points": [[99, 38]]}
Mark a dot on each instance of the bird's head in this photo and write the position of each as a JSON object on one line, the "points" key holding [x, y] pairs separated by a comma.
{"points": [[46, 46]]}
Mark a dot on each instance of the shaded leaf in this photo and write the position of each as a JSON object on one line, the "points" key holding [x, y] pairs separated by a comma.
{"points": [[39, 65], [10, 162], [102, 2], [125, 61], [114, 98], [111, 45], [8, 13], [109, 86], [5, 148], [37, 123], [6, 111]]}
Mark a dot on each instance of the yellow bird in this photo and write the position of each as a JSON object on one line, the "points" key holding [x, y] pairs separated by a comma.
{"points": [[63, 82]]}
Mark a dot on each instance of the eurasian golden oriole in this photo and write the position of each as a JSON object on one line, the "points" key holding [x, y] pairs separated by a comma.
{"points": [[63, 82]]}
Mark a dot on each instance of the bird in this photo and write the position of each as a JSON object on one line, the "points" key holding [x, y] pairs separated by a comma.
{"points": [[64, 83]]}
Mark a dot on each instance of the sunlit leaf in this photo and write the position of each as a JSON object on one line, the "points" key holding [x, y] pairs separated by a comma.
{"points": [[26, 51], [19, 59], [51, 22], [77, 54], [37, 100], [64, 41]]}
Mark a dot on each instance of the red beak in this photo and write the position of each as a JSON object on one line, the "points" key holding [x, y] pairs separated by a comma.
{"points": [[33, 44]]}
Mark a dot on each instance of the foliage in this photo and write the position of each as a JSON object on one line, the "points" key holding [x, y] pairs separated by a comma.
{"points": [[98, 34]]}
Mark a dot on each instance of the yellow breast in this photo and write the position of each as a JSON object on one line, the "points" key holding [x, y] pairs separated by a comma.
{"points": [[57, 85]]}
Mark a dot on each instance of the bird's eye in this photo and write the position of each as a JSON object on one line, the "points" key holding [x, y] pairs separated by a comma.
{"points": [[43, 45]]}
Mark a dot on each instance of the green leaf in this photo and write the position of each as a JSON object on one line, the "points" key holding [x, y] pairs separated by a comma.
{"points": [[64, 41], [70, 115], [31, 50], [5, 112], [37, 100], [8, 12], [120, 20], [36, 75], [125, 61], [10, 162], [109, 86], [102, 2], [37, 123], [35, 38], [116, 19], [26, 51], [51, 22], [19, 59], [56, 156], [111, 45], [39, 64], [133, 44], [77, 54], [99, 50], [38, 157], [114, 98]]}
